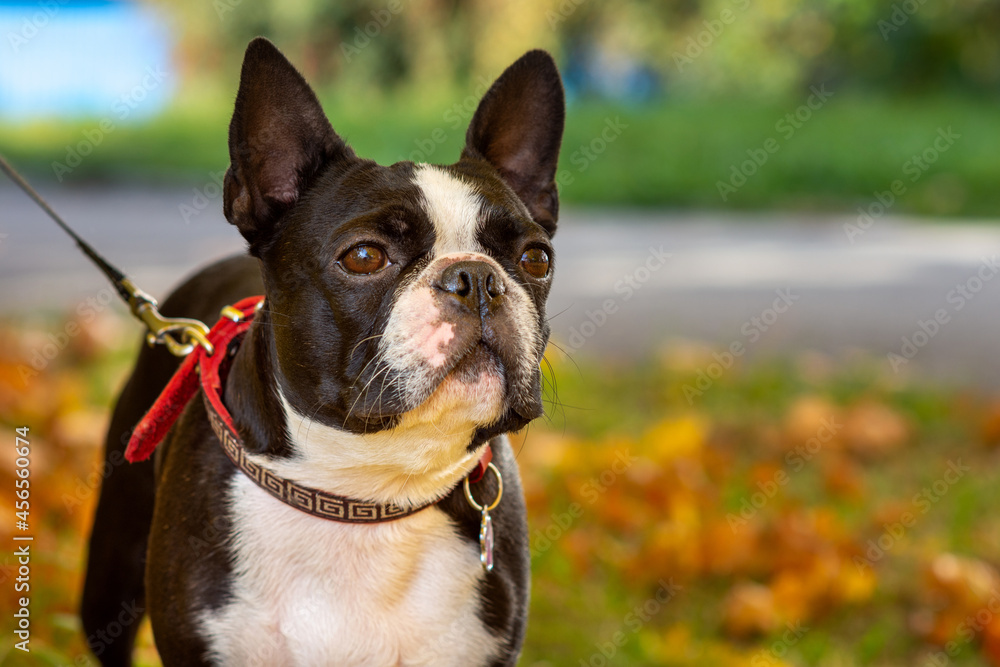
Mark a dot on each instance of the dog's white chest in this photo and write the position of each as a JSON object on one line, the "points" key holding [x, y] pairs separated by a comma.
{"points": [[307, 591]]}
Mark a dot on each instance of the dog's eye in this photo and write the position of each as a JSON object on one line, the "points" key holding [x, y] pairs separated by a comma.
{"points": [[364, 259], [536, 262]]}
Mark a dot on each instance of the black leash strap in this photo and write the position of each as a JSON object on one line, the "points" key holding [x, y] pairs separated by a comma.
{"points": [[114, 275], [180, 335]]}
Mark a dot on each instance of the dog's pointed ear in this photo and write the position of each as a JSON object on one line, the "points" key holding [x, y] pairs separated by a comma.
{"points": [[518, 128], [279, 140]]}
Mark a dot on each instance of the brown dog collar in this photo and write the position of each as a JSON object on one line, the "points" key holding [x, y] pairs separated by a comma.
{"points": [[204, 370]]}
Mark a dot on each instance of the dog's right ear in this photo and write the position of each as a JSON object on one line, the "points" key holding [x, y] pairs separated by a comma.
{"points": [[279, 141]]}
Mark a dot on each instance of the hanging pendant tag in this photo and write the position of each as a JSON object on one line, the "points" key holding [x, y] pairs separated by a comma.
{"points": [[486, 523], [486, 541]]}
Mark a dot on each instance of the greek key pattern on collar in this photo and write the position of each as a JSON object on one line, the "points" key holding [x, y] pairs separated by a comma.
{"points": [[311, 501]]}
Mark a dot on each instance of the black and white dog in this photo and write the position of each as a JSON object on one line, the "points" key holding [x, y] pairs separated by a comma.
{"points": [[401, 335]]}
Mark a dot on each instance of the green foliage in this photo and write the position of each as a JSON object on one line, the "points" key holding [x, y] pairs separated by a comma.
{"points": [[746, 47], [673, 154]]}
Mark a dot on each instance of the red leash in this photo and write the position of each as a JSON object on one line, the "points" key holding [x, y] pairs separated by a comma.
{"points": [[184, 384], [203, 370]]}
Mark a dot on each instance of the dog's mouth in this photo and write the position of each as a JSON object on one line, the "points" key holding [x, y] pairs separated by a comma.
{"points": [[478, 379], [477, 364]]}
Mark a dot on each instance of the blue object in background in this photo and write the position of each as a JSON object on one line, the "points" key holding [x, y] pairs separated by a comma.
{"points": [[70, 59], [596, 73]]}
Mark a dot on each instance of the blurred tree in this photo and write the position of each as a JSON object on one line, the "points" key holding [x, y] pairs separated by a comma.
{"points": [[717, 47]]}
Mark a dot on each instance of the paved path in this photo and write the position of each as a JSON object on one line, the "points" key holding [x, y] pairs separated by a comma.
{"points": [[722, 272]]}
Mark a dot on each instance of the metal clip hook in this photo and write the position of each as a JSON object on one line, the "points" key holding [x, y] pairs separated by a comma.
{"points": [[179, 334]]}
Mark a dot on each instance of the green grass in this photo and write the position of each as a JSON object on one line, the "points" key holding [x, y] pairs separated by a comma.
{"points": [[672, 154]]}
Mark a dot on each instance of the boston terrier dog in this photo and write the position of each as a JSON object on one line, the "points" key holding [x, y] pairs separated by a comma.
{"points": [[399, 339]]}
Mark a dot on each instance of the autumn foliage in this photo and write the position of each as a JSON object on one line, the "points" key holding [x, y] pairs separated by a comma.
{"points": [[798, 513]]}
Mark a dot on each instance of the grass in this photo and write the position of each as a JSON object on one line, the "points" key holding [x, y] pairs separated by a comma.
{"points": [[644, 547], [671, 154]]}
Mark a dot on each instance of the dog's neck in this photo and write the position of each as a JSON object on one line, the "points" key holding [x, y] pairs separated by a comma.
{"points": [[250, 393], [417, 461]]}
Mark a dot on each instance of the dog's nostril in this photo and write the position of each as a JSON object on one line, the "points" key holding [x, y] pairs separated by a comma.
{"points": [[494, 287], [456, 281], [464, 287]]}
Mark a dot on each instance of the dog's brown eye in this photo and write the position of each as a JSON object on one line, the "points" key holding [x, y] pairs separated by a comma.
{"points": [[364, 259], [536, 262]]}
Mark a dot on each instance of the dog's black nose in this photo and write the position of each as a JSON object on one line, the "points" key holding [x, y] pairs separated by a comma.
{"points": [[473, 284]]}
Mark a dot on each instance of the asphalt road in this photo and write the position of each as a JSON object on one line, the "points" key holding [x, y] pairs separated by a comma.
{"points": [[625, 281]]}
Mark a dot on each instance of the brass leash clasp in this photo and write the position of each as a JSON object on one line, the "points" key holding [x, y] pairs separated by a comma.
{"points": [[180, 334]]}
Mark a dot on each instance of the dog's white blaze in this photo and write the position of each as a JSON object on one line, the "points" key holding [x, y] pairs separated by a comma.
{"points": [[454, 208], [398, 593]]}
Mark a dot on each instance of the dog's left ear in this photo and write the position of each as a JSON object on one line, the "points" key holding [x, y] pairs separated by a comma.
{"points": [[518, 128]]}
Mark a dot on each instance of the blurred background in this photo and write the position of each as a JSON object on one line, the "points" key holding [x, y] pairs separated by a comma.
{"points": [[772, 386]]}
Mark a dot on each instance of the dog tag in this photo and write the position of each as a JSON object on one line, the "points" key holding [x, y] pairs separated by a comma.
{"points": [[486, 524], [486, 541]]}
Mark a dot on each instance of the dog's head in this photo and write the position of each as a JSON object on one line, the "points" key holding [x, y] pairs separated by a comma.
{"points": [[406, 299]]}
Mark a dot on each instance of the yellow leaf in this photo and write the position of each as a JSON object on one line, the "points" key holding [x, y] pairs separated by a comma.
{"points": [[683, 437], [854, 585]]}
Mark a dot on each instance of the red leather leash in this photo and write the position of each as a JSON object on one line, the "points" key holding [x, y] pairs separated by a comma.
{"points": [[202, 370]]}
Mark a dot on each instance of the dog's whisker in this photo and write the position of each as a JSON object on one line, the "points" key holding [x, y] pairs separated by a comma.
{"points": [[378, 401], [561, 312], [381, 393], [364, 340], [524, 441], [273, 314], [385, 372], [549, 381], [363, 391], [312, 416], [376, 357]]}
